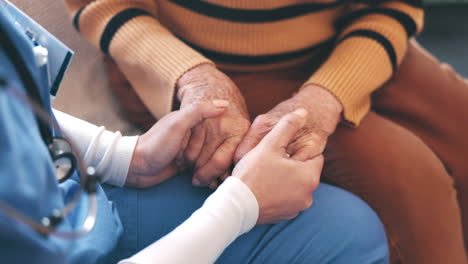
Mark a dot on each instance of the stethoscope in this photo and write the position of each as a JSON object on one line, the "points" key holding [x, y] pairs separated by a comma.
{"points": [[66, 161]]}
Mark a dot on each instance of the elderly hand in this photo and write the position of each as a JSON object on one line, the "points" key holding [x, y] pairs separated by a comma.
{"points": [[282, 186], [213, 142], [324, 114], [153, 159]]}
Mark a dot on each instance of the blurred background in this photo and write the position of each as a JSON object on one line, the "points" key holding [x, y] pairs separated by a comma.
{"points": [[84, 93]]}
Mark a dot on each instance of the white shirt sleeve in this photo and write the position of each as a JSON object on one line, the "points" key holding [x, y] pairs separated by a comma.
{"points": [[108, 152], [229, 212]]}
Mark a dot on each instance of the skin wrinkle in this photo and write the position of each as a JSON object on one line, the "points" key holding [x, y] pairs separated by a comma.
{"points": [[222, 134]]}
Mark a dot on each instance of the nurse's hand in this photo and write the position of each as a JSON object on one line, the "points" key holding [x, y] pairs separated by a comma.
{"points": [[155, 153], [282, 185]]}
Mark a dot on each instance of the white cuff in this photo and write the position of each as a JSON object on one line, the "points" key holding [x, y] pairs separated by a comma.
{"points": [[108, 152]]}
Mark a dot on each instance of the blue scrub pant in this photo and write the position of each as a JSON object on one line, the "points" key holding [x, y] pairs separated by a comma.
{"points": [[337, 228]]}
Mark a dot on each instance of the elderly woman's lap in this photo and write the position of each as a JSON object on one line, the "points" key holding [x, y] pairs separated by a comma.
{"points": [[338, 228]]}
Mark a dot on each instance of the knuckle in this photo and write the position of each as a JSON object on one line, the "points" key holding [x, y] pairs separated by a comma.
{"points": [[312, 183], [315, 182], [176, 125], [293, 120], [263, 120], [307, 202], [189, 155], [220, 163]]}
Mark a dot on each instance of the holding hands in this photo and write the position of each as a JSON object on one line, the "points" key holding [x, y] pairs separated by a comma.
{"points": [[213, 142], [282, 185], [279, 157], [153, 159], [324, 114]]}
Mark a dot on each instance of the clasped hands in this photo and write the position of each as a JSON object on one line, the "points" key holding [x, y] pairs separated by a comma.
{"points": [[278, 155]]}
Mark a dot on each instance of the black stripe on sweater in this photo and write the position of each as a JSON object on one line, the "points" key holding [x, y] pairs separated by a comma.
{"points": [[404, 19], [116, 23], [413, 3], [76, 19], [386, 44], [253, 15], [259, 59]]}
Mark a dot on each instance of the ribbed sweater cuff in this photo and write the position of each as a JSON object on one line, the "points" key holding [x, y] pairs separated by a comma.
{"points": [[153, 60], [363, 61]]}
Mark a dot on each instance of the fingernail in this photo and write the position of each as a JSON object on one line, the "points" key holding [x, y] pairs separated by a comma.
{"points": [[196, 182], [301, 112], [220, 103]]}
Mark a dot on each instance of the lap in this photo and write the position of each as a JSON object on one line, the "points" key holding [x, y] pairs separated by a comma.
{"points": [[400, 176], [337, 228], [429, 98]]}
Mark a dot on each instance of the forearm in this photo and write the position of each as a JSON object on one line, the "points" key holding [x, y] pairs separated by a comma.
{"points": [[149, 55], [228, 213], [110, 153]]}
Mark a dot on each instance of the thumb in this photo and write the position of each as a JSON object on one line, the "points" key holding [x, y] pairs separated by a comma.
{"points": [[192, 114], [285, 130]]}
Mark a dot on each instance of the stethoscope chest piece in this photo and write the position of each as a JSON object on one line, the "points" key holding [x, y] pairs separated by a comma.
{"points": [[64, 160]]}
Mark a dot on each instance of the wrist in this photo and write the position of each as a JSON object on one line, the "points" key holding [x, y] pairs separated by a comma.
{"points": [[236, 195], [317, 95], [136, 166], [325, 108], [194, 79]]}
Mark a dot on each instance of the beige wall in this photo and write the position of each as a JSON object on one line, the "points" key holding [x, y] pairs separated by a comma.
{"points": [[83, 92]]}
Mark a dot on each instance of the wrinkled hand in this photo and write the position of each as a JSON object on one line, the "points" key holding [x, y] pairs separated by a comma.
{"points": [[282, 186], [324, 114], [153, 159], [213, 142]]}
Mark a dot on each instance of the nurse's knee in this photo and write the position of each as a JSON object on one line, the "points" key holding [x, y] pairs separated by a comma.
{"points": [[356, 234]]}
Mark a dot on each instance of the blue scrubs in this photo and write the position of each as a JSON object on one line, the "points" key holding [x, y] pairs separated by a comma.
{"points": [[338, 228]]}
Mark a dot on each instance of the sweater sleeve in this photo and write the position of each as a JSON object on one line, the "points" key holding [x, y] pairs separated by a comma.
{"points": [[372, 42], [150, 56]]}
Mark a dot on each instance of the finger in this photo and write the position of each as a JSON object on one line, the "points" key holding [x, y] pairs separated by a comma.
{"points": [[306, 152], [224, 177], [208, 150], [306, 146], [195, 145], [314, 168], [179, 160], [144, 182], [280, 219], [218, 164], [191, 115], [284, 131], [257, 131], [213, 185]]}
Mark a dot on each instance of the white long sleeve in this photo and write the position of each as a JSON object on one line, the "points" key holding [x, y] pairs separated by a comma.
{"points": [[108, 152], [228, 213]]}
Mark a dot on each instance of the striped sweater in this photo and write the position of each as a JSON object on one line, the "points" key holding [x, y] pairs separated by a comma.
{"points": [[155, 42]]}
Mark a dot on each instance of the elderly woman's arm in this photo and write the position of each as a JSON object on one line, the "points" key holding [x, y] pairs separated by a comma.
{"points": [[150, 56], [157, 64]]}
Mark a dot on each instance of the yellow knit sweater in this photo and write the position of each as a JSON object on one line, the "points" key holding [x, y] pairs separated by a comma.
{"points": [[154, 42]]}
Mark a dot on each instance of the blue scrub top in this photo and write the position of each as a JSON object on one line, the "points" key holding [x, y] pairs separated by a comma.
{"points": [[27, 175]]}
